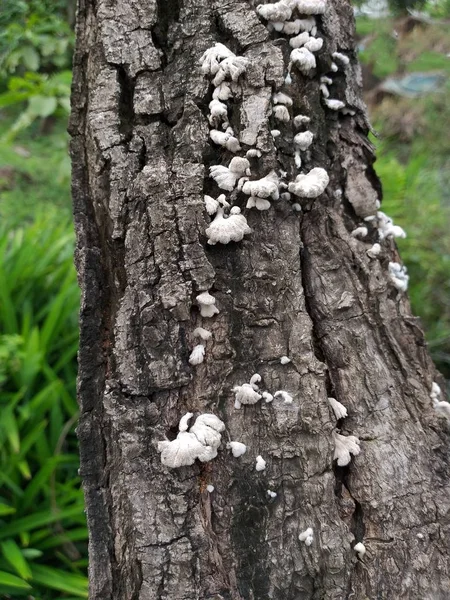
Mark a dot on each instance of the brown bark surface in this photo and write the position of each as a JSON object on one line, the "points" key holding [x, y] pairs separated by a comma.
{"points": [[300, 285]]}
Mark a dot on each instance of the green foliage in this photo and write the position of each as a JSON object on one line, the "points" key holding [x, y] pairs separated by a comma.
{"points": [[379, 52], [403, 6], [42, 524], [34, 36]]}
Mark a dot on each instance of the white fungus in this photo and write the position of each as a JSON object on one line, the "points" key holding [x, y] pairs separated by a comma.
{"points": [[212, 57], [280, 98], [310, 185], [260, 463], [253, 153], [271, 494], [360, 232], [309, 7], [299, 40], [386, 227], [440, 406], [285, 196], [202, 333], [225, 139], [202, 442], [218, 112], [307, 536], [324, 90], [303, 140], [207, 303], [183, 425], [267, 397], [296, 206], [301, 120], [326, 80], [303, 59], [314, 44], [278, 12], [342, 58], [197, 355], [334, 67], [334, 104], [287, 398], [210, 488], [275, 133], [293, 27], [284, 360], [360, 549], [281, 113], [224, 230], [222, 92], [261, 189], [254, 380], [344, 446], [231, 67], [237, 448], [212, 204], [374, 251], [340, 412], [398, 275], [226, 177], [245, 394]]}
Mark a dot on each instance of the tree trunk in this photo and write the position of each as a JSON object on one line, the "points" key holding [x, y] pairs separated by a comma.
{"points": [[300, 285]]}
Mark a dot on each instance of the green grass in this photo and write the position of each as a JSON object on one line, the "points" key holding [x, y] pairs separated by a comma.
{"points": [[42, 524]]}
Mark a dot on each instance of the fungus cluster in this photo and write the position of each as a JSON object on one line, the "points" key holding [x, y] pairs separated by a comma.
{"points": [[201, 441], [307, 536], [344, 447], [440, 406], [398, 275]]}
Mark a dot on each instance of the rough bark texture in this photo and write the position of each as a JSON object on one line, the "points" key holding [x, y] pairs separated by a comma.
{"points": [[299, 285]]}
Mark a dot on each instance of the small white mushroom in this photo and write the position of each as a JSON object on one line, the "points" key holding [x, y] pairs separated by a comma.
{"points": [[334, 67], [303, 140], [202, 333], [324, 90], [280, 98], [281, 113], [374, 251], [303, 59], [225, 139], [224, 230], [314, 44], [360, 550], [260, 463], [197, 355], [222, 92], [245, 394], [272, 494], [267, 397], [299, 40], [284, 360], [275, 133], [212, 57], [253, 153], [218, 112], [301, 120], [254, 380], [310, 7], [326, 80], [340, 412], [207, 303], [398, 275], [237, 448], [296, 206], [184, 421], [267, 187], [287, 398], [307, 536], [293, 27], [210, 488], [360, 232], [334, 104], [278, 12], [310, 185], [226, 177], [232, 67], [344, 446], [342, 58]]}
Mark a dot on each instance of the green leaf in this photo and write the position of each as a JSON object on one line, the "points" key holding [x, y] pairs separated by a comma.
{"points": [[14, 556], [39, 519], [6, 510], [42, 106], [13, 582], [30, 58], [60, 580]]}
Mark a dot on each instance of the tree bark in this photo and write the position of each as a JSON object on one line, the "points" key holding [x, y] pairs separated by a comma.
{"points": [[299, 285]]}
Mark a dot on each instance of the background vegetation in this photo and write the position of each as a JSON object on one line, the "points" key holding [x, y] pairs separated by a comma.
{"points": [[43, 537]]}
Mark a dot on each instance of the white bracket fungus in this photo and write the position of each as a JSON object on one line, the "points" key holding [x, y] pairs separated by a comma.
{"points": [[442, 407], [237, 448], [272, 494], [386, 227], [314, 44], [284, 360], [218, 112], [278, 12], [207, 306], [340, 412], [232, 67], [307, 536], [197, 355], [398, 275], [342, 58], [301, 120], [253, 153], [212, 57], [344, 446], [324, 89], [210, 488], [374, 251], [261, 189], [222, 92], [226, 177], [303, 140], [299, 40], [360, 549], [326, 80], [224, 230], [293, 27], [183, 425], [360, 232], [245, 394], [275, 133], [212, 205], [334, 104], [267, 397], [303, 59], [309, 7], [254, 380], [225, 139], [280, 98], [311, 185], [202, 333], [202, 442], [281, 113], [260, 463], [287, 398]]}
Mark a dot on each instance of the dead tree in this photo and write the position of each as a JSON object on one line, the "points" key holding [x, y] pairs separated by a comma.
{"points": [[176, 102]]}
